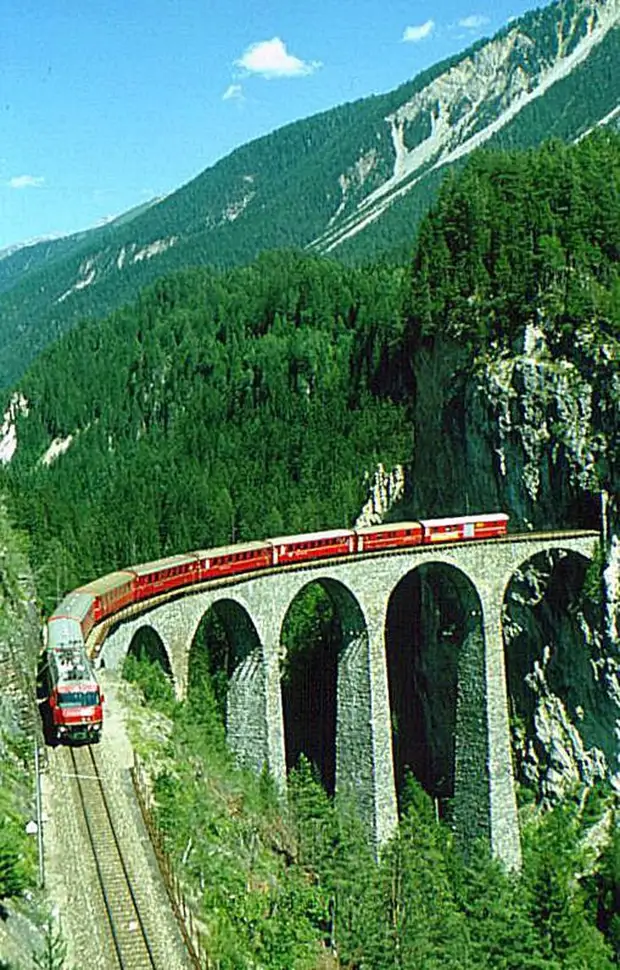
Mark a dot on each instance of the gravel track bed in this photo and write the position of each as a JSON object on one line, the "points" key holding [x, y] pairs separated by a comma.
{"points": [[71, 875]]}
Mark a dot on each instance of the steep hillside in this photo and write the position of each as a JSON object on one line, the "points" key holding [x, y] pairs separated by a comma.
{"points": [[22, 906], [352, 181], [209, 403], [238, 403]]}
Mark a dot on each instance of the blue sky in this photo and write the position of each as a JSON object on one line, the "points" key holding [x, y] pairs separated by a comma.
{"points": [[107, 103]]}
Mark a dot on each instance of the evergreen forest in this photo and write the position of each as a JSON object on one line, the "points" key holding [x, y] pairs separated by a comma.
{"points": [[303, 890]]}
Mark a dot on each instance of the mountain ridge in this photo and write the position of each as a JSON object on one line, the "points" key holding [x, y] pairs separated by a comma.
{"points": [[352, 181]]}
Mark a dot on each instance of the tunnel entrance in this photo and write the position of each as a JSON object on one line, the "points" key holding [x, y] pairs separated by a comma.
{"points": [[433, 615]]}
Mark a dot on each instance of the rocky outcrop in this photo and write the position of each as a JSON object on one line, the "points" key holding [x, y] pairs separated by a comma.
{"points": [[385, 489], [20, 932], [532, 428], [551, 417], [19, 637]]}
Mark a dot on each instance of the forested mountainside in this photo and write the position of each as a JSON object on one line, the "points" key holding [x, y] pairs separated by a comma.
{"points": [[353, 181], [234, 404], [231, 405]]}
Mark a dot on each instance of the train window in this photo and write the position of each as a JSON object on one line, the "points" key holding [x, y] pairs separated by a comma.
{"points": [[85, 698]]}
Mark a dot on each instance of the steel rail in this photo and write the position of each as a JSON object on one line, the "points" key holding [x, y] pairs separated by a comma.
{"points": [[133, 951]]}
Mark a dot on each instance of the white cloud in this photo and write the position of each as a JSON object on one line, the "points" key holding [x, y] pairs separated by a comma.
{"points": [[233, 92], [271, 59], [474, 21], [25, 181], [415, 34]]}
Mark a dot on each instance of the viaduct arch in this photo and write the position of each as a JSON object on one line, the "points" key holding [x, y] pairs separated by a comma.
{"points": [[484, 792]]}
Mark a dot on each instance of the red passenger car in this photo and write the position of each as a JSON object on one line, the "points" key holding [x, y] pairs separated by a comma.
{"points": [[163, 575], [230, 560], [486, 526], [80, 606], [109, 593], [312, 545], [393, 535]]}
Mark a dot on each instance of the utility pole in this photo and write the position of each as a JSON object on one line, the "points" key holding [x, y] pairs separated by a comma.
{"points": [[604, 518], [37, 772]]}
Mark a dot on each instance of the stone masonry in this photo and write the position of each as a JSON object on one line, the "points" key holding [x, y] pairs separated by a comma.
{"points": [[361, 588]]}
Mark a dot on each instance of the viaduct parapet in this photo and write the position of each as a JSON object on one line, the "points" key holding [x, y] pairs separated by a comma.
{"points": [[254, 610]]}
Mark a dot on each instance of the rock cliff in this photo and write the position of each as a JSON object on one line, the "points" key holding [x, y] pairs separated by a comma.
{"points": [[535, 430]]}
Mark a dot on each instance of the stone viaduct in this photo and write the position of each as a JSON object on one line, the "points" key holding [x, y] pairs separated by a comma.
{"points": [[254, 610]]}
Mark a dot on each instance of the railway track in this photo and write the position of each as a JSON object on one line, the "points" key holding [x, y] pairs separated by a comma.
{"points": [[131, 945]]}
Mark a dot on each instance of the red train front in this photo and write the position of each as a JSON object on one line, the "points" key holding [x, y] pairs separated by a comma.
{"points": [[74, 699]]}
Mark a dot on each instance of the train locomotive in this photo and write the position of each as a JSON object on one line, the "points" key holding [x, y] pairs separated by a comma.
{"points": [[74, 696], [75, 701]]}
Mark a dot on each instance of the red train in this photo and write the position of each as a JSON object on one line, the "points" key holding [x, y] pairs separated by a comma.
{"points": [[95, 601], [75, 703]]}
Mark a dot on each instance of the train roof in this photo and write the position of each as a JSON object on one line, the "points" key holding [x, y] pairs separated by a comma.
{"points": [[232, 550], [71, 667], [312, 536], [183, 559], [75, 605], [105, 583], [388, 527], [466, 519], [63, 631]]}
